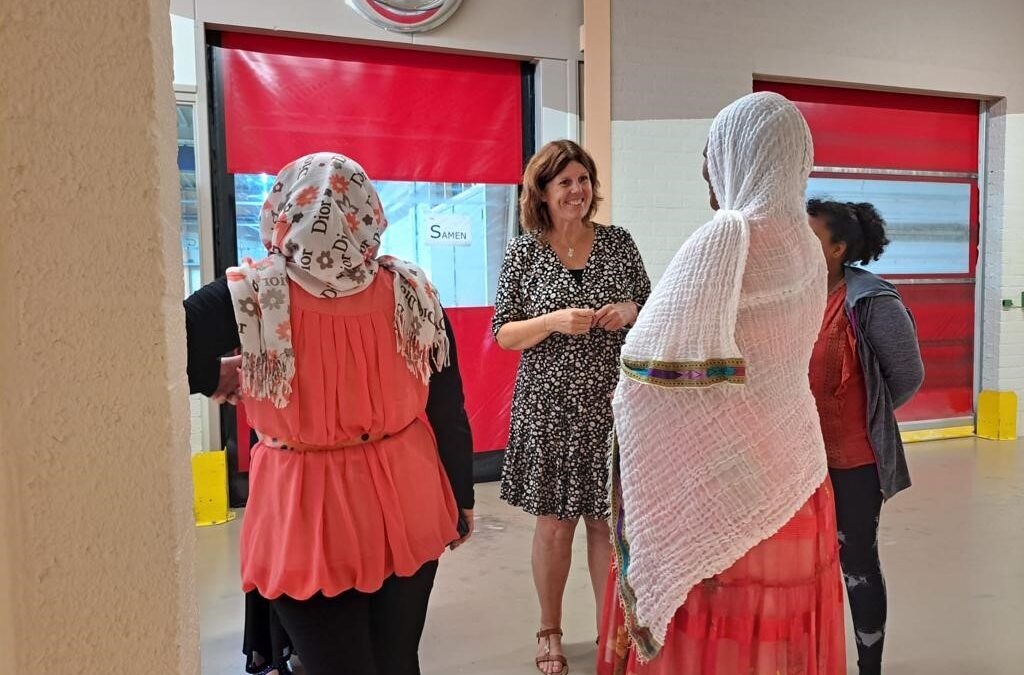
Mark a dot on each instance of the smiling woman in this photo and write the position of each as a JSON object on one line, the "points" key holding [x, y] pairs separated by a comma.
{"points": [[568, 289]]}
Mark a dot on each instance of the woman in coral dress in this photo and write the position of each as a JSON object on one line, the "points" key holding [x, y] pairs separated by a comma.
{"points": [[350, 505]]}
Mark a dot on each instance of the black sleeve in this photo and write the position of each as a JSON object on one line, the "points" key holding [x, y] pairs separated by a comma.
{"points": [[211, 332], [446, 410]]}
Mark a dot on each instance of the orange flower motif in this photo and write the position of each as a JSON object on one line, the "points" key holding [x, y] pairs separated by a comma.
{"points": [[284, 330], [352, 221], [281, 229], [306, 196], [339, 184]]}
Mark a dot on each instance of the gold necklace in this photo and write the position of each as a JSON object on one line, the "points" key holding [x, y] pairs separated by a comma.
{"points": [[570, 249]]}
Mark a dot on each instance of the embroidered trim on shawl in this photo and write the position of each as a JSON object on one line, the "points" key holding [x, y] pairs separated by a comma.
{"points": [[647, 646], [686, 373]]}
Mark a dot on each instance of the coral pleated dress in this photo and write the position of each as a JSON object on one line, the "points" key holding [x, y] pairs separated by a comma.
{"points": [[346, 485]]}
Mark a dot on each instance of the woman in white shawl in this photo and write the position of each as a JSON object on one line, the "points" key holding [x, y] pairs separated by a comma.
{"points": [[724, 524]]}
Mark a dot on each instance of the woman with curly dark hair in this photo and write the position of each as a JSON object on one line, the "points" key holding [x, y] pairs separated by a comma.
{"points": [[865, 364]]}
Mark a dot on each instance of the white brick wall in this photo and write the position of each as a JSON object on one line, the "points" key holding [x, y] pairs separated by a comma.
{"points": [[659, 193], [991, 272], [1002, 347]]}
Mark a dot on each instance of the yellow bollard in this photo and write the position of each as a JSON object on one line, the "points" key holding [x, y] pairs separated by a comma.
{"points": [[942, 434], [210, 481], [997, 415]]}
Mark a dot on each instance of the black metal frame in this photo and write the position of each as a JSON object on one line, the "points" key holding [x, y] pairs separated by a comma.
{"points": [[225, 238], [486, 465], [529, 96]]}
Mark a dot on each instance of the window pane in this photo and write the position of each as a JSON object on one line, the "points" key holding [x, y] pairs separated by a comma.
{"points": [[199, 410], [928, 222], [456, 232], [189, 205], [251, 191]]}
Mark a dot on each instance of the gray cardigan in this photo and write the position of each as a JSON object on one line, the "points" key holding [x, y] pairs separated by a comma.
{"points": [[890, 357]]}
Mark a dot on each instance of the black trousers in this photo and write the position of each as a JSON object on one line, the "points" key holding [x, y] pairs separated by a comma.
{"points": [[858, 504], [361, 633], [265, 642]]}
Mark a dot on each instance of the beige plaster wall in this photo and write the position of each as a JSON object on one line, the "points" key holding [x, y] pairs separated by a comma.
{"points": [[685, 60], [96, 539]]}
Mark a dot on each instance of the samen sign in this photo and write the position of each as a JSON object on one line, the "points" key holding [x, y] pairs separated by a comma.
{"points": [[449, 230]]}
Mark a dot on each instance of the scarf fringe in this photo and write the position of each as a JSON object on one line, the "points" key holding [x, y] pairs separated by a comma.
{"points": [[266, 376], [422, 359]]}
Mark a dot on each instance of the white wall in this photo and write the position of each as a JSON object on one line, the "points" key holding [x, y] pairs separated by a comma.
{"points": [[183, 38], [1003, 248], [675, 64]]}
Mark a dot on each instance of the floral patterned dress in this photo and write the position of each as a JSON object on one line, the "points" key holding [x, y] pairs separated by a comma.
{"points": [[556, 462]]}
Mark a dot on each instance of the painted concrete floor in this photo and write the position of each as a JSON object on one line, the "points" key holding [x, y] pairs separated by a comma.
{"points": [[952, 550]]}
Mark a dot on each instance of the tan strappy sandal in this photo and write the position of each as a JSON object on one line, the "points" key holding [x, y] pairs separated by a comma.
{"points": [[548, 656]]}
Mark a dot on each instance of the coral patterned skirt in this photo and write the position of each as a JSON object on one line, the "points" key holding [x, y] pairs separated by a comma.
{"points": [[777, 610]]}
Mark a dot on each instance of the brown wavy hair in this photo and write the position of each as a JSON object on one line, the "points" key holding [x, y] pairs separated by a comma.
{"points": [[550, 161]]}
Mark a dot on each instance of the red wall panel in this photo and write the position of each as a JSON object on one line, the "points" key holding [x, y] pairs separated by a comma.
{"points": [[403, 114], [884, 130], [488, 376], [945, 325]]}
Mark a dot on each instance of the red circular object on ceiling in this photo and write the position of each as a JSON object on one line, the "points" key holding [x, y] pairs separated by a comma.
{"points": [[406, 17]]}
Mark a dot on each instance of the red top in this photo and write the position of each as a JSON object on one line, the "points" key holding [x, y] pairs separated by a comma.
{"points": [[837, 381]]}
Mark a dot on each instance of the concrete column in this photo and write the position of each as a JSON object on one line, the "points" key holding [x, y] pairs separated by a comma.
{"points": [[96, 539]]}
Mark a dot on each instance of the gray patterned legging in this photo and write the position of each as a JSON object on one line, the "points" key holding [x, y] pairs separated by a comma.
{"points": [[858, 504]]}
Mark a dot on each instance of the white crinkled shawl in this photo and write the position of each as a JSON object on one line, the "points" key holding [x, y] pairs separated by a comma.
{"points": [[718, 441]]}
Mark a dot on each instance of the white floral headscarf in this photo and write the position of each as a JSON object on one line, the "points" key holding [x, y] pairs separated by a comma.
{"points": [[322, 226]]}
